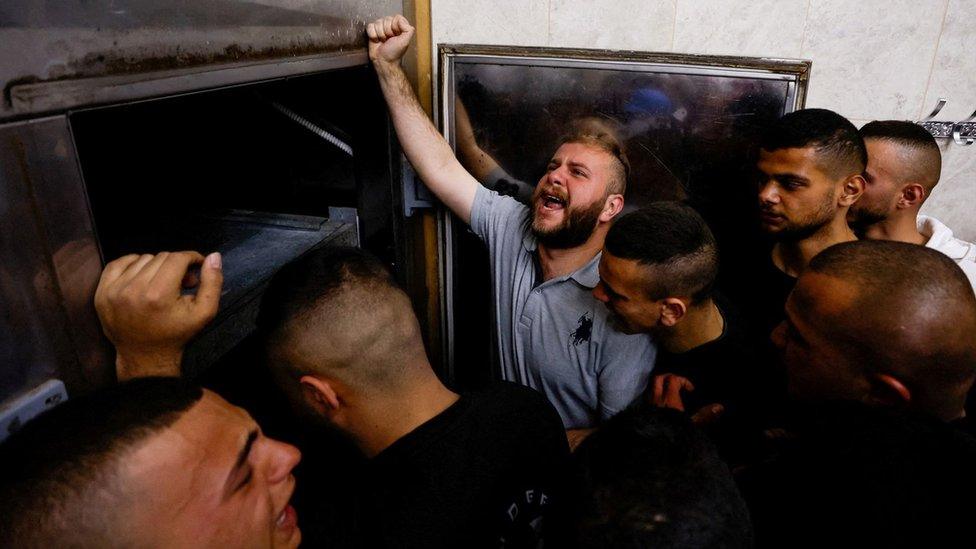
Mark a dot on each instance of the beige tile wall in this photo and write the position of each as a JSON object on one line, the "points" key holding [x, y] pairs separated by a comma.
{"points": [[872, 59]]}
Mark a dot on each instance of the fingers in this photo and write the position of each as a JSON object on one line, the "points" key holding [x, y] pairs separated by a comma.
{"points": [[207, 299], [387, 27], [658, 394], [672, 394], [708, 414]]}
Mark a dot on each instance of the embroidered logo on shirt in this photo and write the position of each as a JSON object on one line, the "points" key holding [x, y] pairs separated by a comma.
{"points": [[583, 330]]}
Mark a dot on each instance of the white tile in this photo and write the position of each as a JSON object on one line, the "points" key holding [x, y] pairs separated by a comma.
{"points": [[954, 72], [509, 22], [612, 24], [954, 199], [871, 58], [761, 28]]}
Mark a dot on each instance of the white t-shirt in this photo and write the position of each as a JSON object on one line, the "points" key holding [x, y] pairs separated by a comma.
{"points": [[940, 238]]}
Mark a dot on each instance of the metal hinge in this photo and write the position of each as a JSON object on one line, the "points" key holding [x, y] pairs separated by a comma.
{"points": [[416, 195]]}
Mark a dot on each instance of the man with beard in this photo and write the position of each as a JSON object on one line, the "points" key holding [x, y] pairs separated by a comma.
{"points": [[904, 165], [810, 166], [552, 334]]}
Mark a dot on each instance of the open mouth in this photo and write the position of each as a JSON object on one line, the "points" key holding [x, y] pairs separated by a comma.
{"points": [[288, 518], [552, 202]]}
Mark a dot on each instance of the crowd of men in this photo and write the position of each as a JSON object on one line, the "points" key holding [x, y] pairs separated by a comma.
{"points": [[820, 398]]}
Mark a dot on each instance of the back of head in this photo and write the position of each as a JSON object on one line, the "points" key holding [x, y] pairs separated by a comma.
{"points": [[651, 479], [919, 154], [602, 134], [61, 481], [840, 148], [675, 241], [913, 317], [341, 309]]}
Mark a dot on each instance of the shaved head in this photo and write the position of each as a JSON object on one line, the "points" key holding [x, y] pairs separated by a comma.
{"points": [[917, 159], [895, 309], [338, 313]]}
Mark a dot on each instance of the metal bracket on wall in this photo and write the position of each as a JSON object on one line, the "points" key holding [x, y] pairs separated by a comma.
{"points": [[416, 195], [963, 133]]}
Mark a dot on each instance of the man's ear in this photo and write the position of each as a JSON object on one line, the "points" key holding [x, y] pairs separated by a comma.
{"points": [[912, 195], [319, 394], [611, 207], [852, 190], [887, 390], [673, 310]]}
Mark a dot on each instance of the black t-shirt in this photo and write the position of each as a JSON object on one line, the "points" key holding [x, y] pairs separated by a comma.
{"points": [[724, 371], [490, 471], [775, 287], [720, 370], [857, 476]]}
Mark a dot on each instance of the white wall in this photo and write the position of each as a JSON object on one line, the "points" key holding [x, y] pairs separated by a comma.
{"points": [[872, 59]]}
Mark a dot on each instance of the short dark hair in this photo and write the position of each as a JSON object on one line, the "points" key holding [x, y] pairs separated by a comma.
{"points": [[900, 284], [301, 284], [604, 135], [651, 479], [58, 472], [836, 139], [674, 240], [925, 161]]}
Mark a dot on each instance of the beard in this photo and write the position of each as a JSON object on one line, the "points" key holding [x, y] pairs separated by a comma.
{"points": [[809, 224], [864, 216], [576, 227]]}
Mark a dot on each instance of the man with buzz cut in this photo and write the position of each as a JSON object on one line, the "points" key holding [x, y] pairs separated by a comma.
{"points": [[657, 276], [551, 333], [904, 166]]}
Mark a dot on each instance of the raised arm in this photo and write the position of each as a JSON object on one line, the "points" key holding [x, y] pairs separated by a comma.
{"points": [[475, 159], [426, 149]]}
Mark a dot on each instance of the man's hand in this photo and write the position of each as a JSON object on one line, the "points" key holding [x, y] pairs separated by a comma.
{"points": [[667, 391], [145, 315], [389, 38]]}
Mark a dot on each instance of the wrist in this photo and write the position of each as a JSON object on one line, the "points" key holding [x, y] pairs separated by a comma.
{"points": [[131, 364], [384, 67]]}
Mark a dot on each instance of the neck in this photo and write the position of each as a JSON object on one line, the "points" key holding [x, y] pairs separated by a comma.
{"points": [[792, 256], [384, 419], [556, 262], [900, 228], [701, 324]]}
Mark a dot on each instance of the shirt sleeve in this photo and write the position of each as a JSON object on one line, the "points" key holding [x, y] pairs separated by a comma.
{"points": [[495, 217], [626, 367]]}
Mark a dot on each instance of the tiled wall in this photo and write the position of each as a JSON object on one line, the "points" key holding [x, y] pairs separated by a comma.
{"points": [[872, 59]]}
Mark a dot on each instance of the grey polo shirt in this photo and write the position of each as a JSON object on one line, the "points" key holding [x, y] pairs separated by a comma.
{"points": [[554, 336]]}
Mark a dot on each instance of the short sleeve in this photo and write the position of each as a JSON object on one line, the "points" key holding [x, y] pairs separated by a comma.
{"points": [[624, 371]]}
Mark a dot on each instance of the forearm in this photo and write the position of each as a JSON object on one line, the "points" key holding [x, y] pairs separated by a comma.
{"points": [[424, 146]]}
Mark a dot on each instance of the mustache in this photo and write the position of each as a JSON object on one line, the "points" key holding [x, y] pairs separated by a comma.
{"points": [[553, 190]]}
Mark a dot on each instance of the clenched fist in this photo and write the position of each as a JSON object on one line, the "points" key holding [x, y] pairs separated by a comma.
{"points": [[145, 314], [388, 39]]}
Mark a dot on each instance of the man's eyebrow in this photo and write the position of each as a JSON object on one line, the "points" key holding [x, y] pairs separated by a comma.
{"points": [[791, 176], [576, 164], [242, 455]]}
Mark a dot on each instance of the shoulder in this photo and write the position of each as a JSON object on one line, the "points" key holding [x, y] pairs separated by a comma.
{"points": [[507, 401]]}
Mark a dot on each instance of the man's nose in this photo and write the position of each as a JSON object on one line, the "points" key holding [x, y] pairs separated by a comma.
{"points": [[286, 457], [768, 193]]}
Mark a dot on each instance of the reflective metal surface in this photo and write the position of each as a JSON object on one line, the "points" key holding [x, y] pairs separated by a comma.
{"points": [[50, 263], [49, 41], [688, 124]]}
